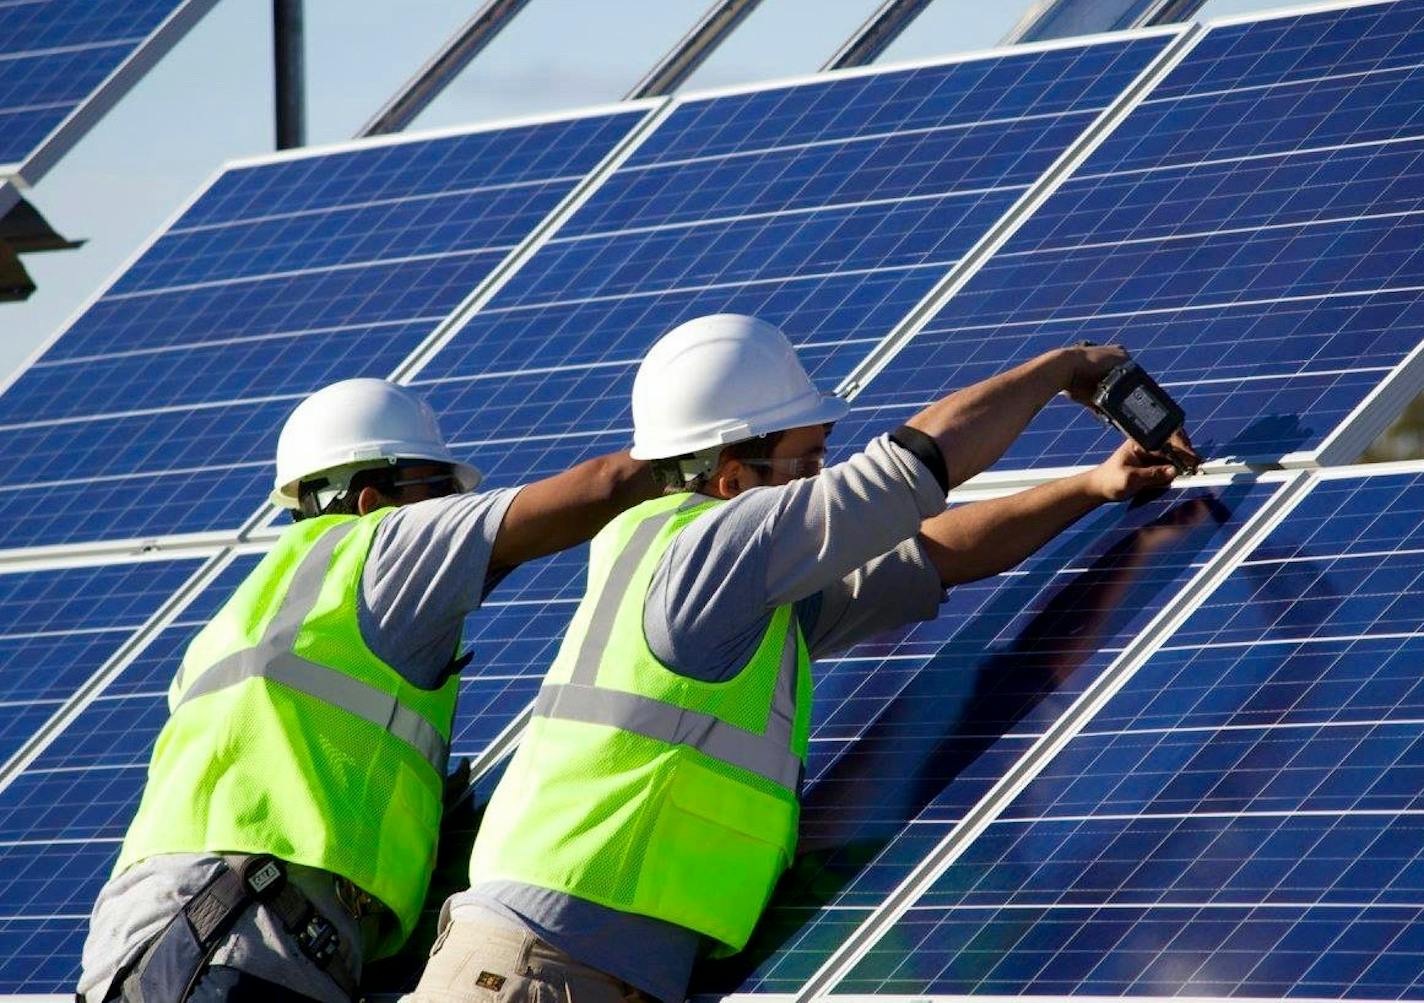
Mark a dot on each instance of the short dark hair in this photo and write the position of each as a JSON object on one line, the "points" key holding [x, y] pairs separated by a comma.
{"points": [[669, 473], [759, 448]]}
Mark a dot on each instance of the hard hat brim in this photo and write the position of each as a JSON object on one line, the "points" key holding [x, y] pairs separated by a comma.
{"points": [[827, 408]]}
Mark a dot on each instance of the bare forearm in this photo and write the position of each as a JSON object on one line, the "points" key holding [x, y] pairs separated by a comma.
{"points": [[565, 510], [985, 538], [975, 425]]}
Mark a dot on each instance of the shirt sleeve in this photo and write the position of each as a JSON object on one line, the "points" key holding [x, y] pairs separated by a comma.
{"points": [[427, 570], [896, 588], [717, 585]]}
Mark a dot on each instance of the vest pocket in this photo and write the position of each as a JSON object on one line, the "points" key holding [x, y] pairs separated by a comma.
{"points": [[716, 850]]}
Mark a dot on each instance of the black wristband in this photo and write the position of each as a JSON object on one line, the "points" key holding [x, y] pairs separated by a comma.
{"points": [[926, 450]]}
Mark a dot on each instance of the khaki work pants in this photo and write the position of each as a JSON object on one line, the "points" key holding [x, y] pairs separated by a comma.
{"points": [[486, 963]]}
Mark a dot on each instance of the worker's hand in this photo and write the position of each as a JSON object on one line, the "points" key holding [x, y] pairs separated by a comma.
{"points": [[1131, 469], [1086, 367], [1180, 449]]}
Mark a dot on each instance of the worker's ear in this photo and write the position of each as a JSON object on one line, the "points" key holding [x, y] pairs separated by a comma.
{"points": [[370, 499], [731, 479]]}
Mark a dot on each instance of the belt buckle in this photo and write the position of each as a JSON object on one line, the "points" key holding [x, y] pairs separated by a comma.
{"points": [[319, 940]]}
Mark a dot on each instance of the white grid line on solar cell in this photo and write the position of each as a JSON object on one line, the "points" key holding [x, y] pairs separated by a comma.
{"points": [[1291, 11], [81, 419], [870, 137], [373, 203], [717, 286], [107, 478], [1227, 231], [1293, 82], [992, 998], [1266, 642], [828, 207], [1181, 815], [345, 266], [1248, 904], [1198, 235], [69, 632], [43, 106], [56, 50], [1193, 308], [1248, 158], [188, 346]]}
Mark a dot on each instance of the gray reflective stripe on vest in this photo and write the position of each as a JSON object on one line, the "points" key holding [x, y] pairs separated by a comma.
{"points": [[665, 722], [605, 611], [768, 754], [272, 658]]}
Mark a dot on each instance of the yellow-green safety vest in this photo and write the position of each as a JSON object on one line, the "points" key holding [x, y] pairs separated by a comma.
{"points": [[289, 736], [645, 790]]}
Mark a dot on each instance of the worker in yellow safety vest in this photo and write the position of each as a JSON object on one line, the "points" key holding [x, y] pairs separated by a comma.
{"points": [[653, 800], [288, 827]]}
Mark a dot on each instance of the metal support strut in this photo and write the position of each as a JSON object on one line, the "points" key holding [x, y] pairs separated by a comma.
{"points": [[875, 35], [1049, 19], [720, 20], [444, 66]]}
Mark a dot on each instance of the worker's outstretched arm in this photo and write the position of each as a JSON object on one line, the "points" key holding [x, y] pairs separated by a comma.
{"points": [[975, 425], [565, 510], [985, 538]]}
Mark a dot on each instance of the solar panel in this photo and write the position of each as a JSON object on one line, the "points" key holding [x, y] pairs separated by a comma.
{"points": [[58, 626], [830, 206], [1250, 231], [63, 63], [157, 410], [911, 730], [63, 818], [837, 207], [1241, 818]]}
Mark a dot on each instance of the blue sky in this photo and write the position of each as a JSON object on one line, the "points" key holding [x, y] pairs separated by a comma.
{"points": [[210, 99]]}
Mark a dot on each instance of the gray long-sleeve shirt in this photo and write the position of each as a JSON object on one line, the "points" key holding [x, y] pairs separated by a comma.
{"points": [[841, 547], [427, 569]]}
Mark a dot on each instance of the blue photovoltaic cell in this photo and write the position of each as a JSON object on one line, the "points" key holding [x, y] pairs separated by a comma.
{"points": [[512, 639], [54, 54], [911, 730], [1251, 231], [158, 409], [1241, 819], [61, 821], [828, 207], [60, 626]]}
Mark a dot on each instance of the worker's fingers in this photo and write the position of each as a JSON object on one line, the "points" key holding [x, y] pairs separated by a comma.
{"points": [[1156, 476], [1182, 449]]}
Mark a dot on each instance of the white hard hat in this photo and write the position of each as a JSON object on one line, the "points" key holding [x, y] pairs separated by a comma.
{"points": [[722, 379], [356, 424]]}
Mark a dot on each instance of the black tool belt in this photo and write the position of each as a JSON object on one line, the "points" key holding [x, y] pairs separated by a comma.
{"points": [[169, 968]]}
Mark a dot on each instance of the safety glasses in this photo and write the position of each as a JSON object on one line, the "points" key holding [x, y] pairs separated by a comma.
{"points": [[794, 467], [440, 484]]}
